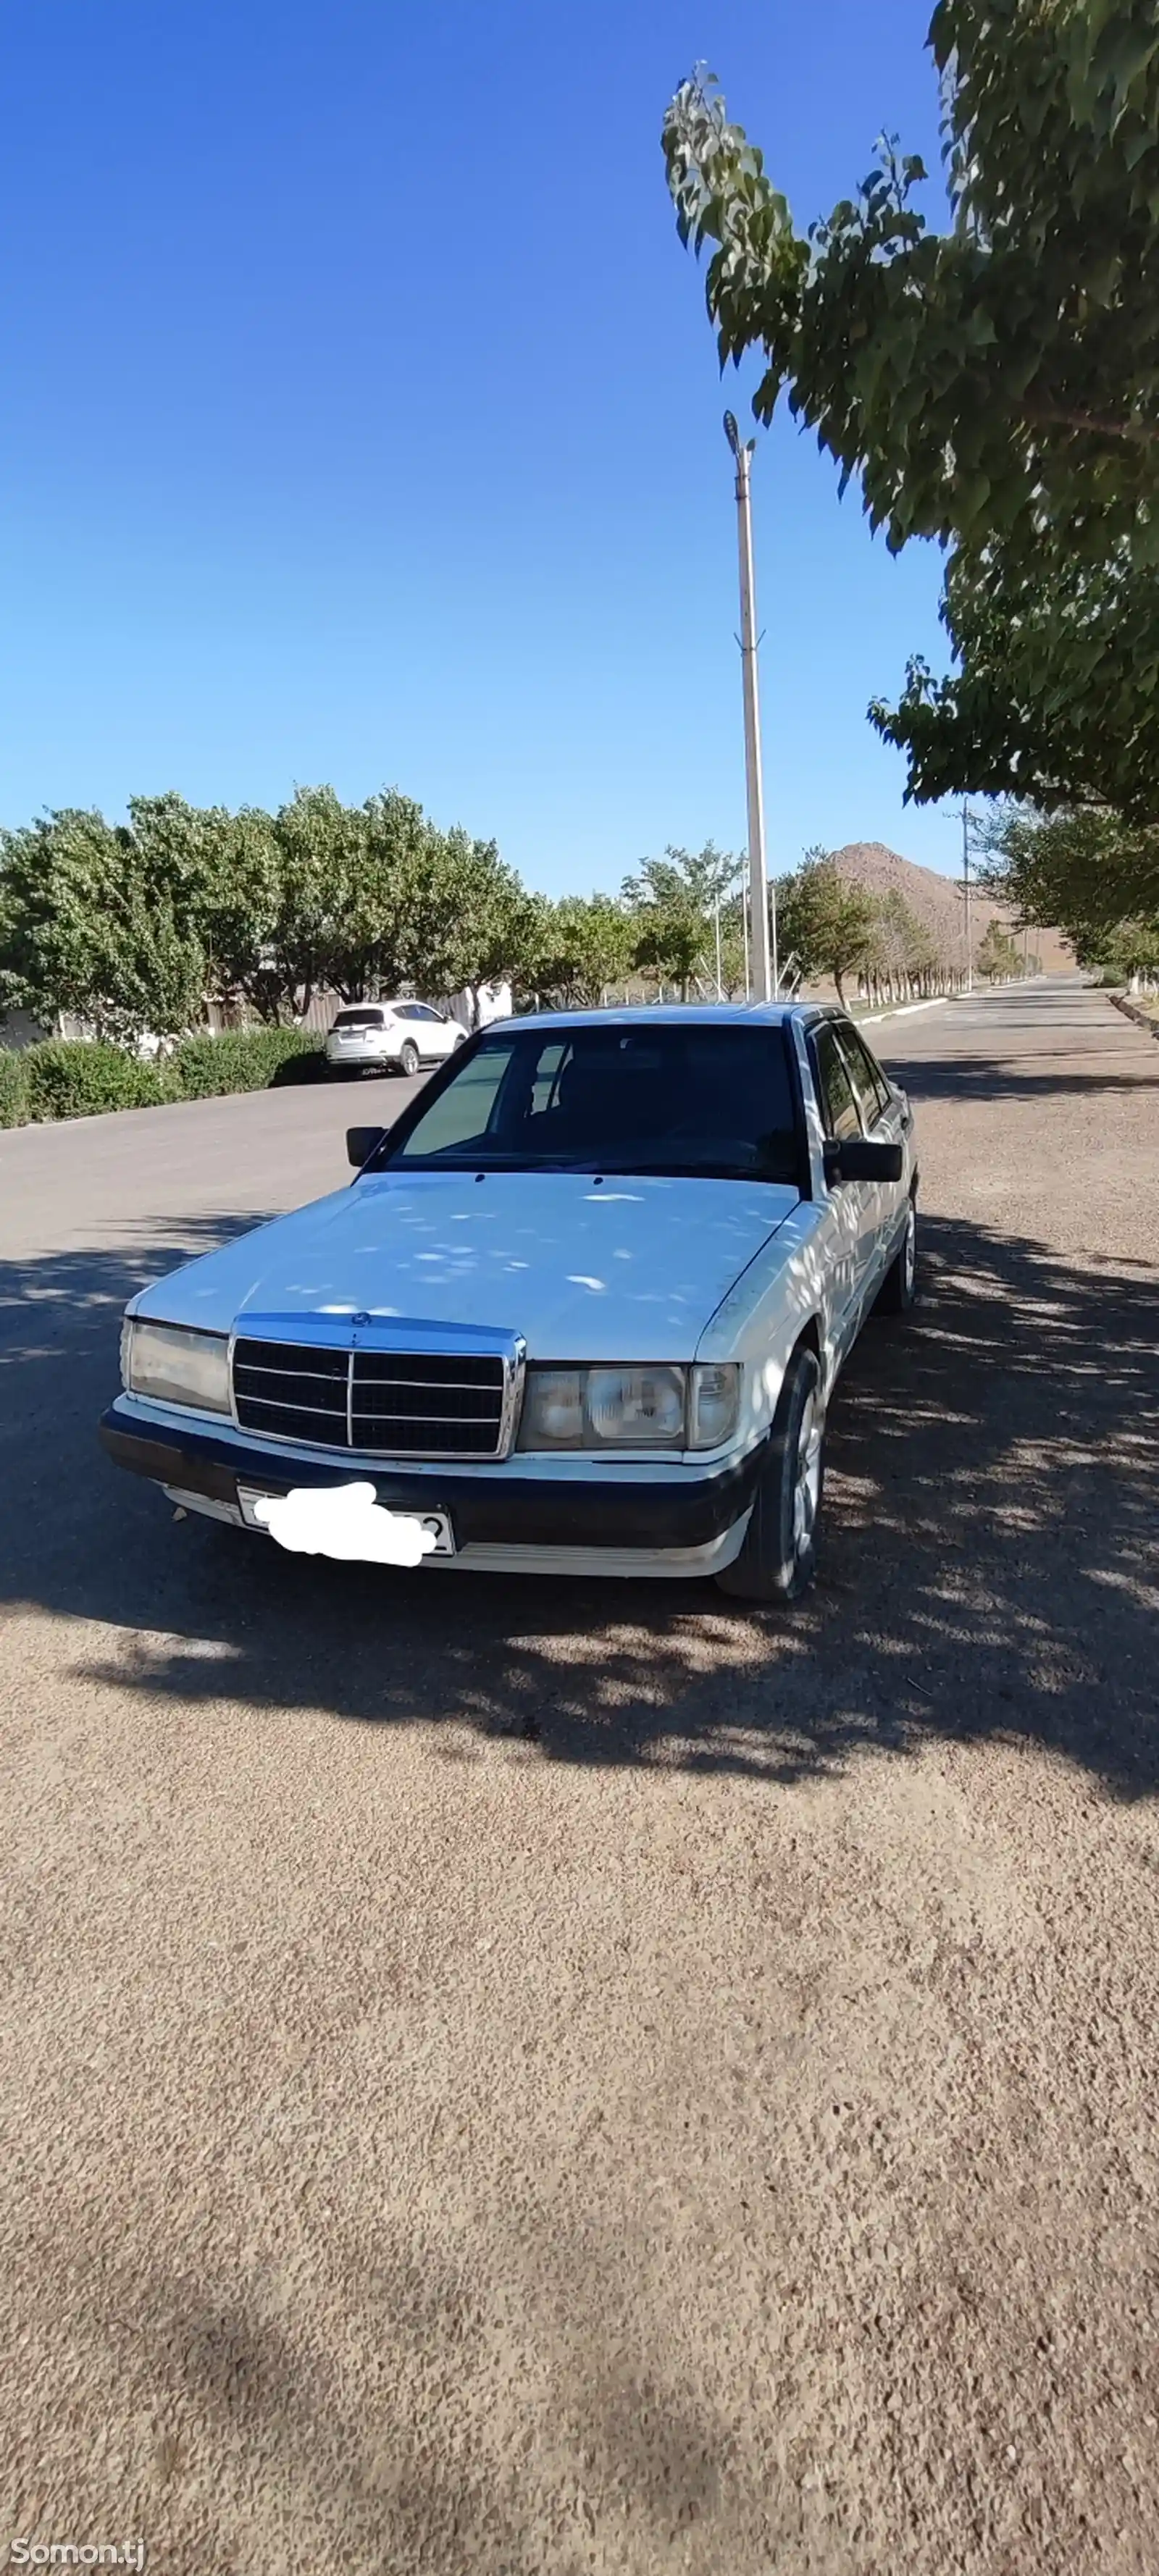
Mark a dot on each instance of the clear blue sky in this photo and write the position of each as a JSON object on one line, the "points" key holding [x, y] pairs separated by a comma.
{"points": [[362, 423]]}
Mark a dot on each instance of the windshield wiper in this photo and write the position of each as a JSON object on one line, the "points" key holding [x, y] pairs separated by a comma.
{"points": [[595, 1164], [688, 1172], [491, 1163]]}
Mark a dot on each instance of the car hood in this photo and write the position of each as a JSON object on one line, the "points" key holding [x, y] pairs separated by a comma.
{"points": [[623, 1269]]}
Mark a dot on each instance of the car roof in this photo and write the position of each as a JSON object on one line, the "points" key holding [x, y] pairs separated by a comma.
{"points": [[648, 1015]]}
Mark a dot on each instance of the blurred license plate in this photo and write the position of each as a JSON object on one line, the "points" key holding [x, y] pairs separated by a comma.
{"points": [[439, 1523]]}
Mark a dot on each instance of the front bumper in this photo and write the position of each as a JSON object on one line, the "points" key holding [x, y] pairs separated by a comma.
{"points": [[689, 1522]]}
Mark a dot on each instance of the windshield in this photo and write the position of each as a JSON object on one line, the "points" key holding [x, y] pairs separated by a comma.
{"points": [[613, 1098]]}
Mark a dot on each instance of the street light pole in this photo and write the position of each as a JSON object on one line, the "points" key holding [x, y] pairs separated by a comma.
{"points": [[762, 987], [967, 889]]}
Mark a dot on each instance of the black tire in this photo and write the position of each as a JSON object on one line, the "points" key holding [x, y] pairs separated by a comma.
{"points": [[899, 1286], [409, 1059], [779, 1558]]}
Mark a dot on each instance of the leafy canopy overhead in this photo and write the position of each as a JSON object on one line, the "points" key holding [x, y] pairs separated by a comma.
{"points": [[1007, 369], [1055, 696], [994, 386]]}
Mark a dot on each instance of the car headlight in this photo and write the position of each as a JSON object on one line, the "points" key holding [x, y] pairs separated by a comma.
{"points": [[630, 1408], [176, 1366]]}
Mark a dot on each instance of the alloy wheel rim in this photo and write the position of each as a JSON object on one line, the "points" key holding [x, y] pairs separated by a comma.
{"points": [[807, 1480], [911, 1245]]}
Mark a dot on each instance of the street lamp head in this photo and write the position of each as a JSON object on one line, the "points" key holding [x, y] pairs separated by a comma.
{"points": [[732, 434]]}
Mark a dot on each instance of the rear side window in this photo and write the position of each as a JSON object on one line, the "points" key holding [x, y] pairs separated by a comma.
{"points": [[869, 1082], [838, 1105]]}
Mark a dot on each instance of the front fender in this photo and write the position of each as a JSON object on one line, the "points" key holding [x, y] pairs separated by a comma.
{"points": [[760, 1321]]}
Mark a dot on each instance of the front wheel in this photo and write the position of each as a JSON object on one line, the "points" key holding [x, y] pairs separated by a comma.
{"points": [[779, 1557], [409, 1059]]}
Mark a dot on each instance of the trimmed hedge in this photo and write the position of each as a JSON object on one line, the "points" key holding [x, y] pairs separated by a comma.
{"points": [[202, 1068], [80, 1077], [13, 1089]]}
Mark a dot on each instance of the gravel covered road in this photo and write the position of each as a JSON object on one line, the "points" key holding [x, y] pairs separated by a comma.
{"points": [[513, 2077]]}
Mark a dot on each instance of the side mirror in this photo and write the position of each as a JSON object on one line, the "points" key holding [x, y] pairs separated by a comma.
{"points": [[857, 1158], [362, 1142]]}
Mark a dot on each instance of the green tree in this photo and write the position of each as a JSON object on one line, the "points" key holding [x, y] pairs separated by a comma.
{"points": [[977, 378], [997, 954], [584, 943], [136, 926], [97, 922], [470, 919], [899, 952], [824, 920], [674, 899], [381, 863], [1090, 874], [229, 869], [993, 386], [1131, 951], [320, 932], [375, 898], [1053, 696]]}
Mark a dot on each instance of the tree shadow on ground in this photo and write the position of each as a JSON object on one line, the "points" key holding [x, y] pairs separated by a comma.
{"points": [[987, 1568], [1052, 1073]]}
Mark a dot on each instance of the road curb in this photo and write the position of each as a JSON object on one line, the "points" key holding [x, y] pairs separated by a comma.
{"points": [[1142, 1019], [902, 1010]]}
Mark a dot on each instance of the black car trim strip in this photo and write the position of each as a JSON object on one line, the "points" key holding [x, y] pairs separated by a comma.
{"points": [[507, 1510]]}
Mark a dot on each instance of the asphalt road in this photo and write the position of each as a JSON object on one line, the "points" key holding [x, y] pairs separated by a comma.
{"points": [[510, 2077]]}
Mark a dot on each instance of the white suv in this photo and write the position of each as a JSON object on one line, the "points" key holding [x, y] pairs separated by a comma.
{"points": [[391, 1037]]}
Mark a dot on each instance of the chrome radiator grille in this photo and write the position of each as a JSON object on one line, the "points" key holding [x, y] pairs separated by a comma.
{"points": [[396, 1404]]}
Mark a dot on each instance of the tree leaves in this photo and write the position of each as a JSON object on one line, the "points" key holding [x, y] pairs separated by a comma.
{"points": [[674, 899], [581, 946], [1089, 873], [135, 928], [94, 921], [993, 387], [1053, 695], [826, 922], [997, 953]]}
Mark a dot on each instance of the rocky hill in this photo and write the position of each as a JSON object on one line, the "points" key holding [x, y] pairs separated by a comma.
{"points": [[936, 901]]}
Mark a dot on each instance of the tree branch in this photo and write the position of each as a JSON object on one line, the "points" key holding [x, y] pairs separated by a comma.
{"points": [[1050, 415]]}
